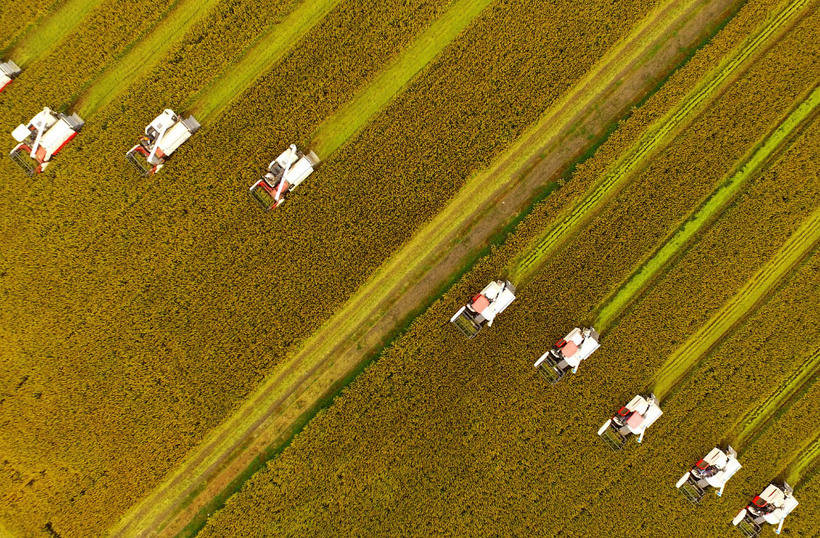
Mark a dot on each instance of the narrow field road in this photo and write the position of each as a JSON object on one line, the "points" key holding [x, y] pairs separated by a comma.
{"points": [[405, 283], [687, 356], [656, 138], [701, 217]]}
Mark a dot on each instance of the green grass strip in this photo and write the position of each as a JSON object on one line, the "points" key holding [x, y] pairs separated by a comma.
{"points": [[348, 120], [657, 136], [705, 214], [145, 55], [48, 34], [260, 58], [685, 357]]}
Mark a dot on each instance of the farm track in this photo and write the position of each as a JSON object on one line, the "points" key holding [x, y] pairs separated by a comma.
{"points": [[347, 121], [144, 56], [706, 213], [259, 59], [751, 424], [743, 302], [658, 135], [362, 325], [51, 31]]}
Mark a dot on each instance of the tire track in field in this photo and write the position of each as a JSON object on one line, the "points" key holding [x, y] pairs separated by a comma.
{"points": [[144, 56], [39, 40], [658, 135], [10, 40], [269, 415], [752, 423], [705, 214], [350, 119], [688, 355], [805, 462]]}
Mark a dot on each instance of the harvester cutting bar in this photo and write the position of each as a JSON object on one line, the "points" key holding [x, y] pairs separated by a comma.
{"points": [[8, 72]]}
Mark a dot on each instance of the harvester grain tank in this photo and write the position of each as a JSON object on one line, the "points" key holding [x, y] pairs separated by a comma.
{"points": [[713, 471], [632, 419], [284, 174], [42, 138], [163, 136], [771, 506], [484, 307], [8, 72], [567, 353]]}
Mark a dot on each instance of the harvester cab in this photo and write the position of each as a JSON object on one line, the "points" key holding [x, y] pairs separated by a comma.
{"points": [[162, 138], [484, 307], [772, 506], [8, 72], [284, 174], [632, 419], [713, 471], [42, 138], [567, 353]]}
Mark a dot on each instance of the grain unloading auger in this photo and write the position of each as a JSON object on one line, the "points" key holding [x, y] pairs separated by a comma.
{"points": [[484, 307], [632, 419], [567, 353], [713, 471], [42, 138], [8, 72], [284, 174], [163, 136], [771, 506]]}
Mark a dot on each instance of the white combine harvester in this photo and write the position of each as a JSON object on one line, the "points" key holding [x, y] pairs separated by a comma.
{"points": [[8, 72], [567, 353], [632, 419], [42, 138], [772, 506], [484, 307], [713, 471], [285, 173], [162, 138]]}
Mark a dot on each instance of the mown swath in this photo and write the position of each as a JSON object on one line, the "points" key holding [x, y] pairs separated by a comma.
{"points": [[742, 303], [701, 217], [656, 137]]}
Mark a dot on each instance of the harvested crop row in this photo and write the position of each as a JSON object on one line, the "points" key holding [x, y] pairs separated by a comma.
{"points": [[19, 16], [455, 435], [53, 80]]}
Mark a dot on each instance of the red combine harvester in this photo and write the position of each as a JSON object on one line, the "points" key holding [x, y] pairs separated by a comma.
{"points": [[42, 138]]}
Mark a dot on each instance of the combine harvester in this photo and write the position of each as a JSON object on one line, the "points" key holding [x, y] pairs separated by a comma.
{"points": [[713, 471], [162, 138], [772, 506], [567, 353], [45, 135], [632, 419], [284, 174], [8, 72], [484, 307]]}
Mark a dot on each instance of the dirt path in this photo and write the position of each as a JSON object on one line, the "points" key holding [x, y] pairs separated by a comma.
{"points": [[407, 281], [348, 120], [51, 31], [705, 214], [738, 307], [143, 57], [657, 136]]}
